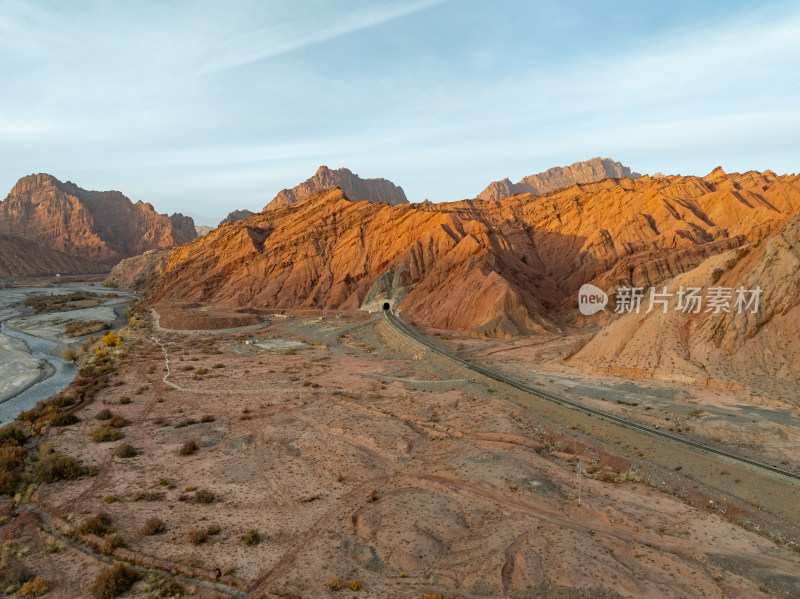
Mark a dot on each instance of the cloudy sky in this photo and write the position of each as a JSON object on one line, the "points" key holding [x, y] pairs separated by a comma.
{"points": [[204, 107]]}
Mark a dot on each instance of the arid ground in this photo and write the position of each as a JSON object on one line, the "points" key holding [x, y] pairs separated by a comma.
{"points": [[324, 449]]}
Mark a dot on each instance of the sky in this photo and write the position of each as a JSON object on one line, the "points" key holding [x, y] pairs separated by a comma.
{"points": [[205, 107]]}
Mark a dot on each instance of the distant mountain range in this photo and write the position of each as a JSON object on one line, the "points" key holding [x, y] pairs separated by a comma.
{"points": [[92, 227], [559, 177], [354, 187], [515, 266]]}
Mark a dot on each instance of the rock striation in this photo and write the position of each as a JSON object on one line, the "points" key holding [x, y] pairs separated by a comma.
{"points": [[559, 177], [494, 268], [21, 257], [139, 273], [355, 188]]}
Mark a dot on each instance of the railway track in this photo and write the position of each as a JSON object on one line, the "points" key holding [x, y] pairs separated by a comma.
{"points": [[417, 337]]}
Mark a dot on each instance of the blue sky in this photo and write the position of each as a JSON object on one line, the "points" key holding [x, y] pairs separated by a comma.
{"points": [[205, 107]]}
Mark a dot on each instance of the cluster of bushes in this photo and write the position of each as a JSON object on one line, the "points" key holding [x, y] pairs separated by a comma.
{"points": [[334, 584], [61, 303], [109, 432], [159, 585], [47, 410], [113, 582], [15, 577], [85, 327], [198, 537], [92, 377], [56, 466], [62, 418], [12, 459], [118, 579], [50, 467], [111, 339]]}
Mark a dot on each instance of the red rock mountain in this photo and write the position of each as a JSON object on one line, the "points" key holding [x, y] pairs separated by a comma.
{"points": [[759, 350], [559, 177], [495, 268], [354, 187], [96, 226], [139, 273]]}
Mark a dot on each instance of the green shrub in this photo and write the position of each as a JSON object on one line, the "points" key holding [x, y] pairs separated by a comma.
{"points": [[153, 526], [251, 537], [148, 496], [12, 433], [61, 418], [99, 525], [104, 414], [196, 537], [111, 543], [104, 434], [159, 585], [124, 400], [125, 450], [204, 496], [56, 467], [113, 582], [12, 465]]}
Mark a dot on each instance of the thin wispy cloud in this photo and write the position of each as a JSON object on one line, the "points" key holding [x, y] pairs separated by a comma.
{"points": [[282, 37], [441, 97]]}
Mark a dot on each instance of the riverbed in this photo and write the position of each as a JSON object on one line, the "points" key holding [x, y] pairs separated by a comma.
{"points": [[31, 368]]}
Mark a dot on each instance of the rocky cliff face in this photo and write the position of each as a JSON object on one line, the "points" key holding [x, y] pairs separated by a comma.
{"points": [[97, 226], [494, 268], [759, 349], [355, 188], [22, 258], [559, 177], [140, 273]]}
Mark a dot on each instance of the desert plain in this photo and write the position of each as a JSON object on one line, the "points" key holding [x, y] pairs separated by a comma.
{"points": [[321, 452]]}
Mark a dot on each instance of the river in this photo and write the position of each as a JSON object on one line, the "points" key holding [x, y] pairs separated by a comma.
{"points": [[64, 373], [47, 348]]}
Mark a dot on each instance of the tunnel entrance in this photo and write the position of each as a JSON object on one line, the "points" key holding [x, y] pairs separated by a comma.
{"points": [[386, 306]]}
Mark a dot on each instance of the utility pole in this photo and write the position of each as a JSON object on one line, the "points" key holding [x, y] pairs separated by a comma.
{"points": [[580, 474]]}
